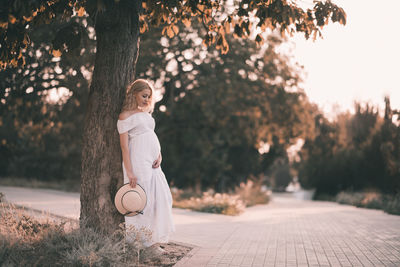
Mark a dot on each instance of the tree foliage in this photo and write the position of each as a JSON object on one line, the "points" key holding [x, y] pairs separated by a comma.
{"points": [[223, 107], [217, 109], [219, 18], [42, 108]]}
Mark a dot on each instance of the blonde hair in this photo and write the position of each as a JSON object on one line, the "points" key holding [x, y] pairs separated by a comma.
{"points": [[130, 97]]}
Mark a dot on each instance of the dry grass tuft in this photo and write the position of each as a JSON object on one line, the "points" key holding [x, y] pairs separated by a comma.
{"points": [[213, 203], [253, 193], [29, 241], [246, 195]]}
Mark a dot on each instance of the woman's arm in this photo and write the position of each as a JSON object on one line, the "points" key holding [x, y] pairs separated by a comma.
{"points": [[126, 158]]}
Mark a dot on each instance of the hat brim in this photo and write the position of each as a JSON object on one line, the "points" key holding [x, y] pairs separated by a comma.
{"points": [[122, 191]]}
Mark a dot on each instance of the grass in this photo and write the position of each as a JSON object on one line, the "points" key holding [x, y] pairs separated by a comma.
{"points": [[68, 185], [27, 241], [371, 199], [31, 241], [246, 195]]}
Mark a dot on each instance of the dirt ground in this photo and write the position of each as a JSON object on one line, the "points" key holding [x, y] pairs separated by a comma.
{"points": [[175, 252]]}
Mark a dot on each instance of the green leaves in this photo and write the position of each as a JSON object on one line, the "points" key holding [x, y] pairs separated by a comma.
{"points": [[272, 14], [214, 113], [39, 128], [354, 152], [283, 15], [18, 18]]}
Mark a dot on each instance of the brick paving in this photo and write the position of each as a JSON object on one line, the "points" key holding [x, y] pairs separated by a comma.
{"points": [[286, 232], [289, 232]]}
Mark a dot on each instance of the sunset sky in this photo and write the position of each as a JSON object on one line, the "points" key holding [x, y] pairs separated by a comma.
{"points": [[359, 61]]}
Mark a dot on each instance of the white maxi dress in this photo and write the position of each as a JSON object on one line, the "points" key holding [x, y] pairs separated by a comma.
{"points": [[144, 149]]}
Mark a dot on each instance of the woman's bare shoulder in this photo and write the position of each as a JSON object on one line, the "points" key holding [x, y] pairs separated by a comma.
{"points": [[124, 115]]}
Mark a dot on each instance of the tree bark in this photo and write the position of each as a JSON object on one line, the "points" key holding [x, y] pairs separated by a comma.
{"points": [[117, 33]]}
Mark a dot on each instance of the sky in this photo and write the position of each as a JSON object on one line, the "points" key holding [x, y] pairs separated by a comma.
{"points": [[358, 61]]}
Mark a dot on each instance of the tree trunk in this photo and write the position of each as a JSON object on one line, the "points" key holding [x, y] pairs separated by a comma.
{"points": [[117, 33]]}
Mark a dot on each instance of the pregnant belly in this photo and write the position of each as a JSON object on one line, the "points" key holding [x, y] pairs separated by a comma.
{"points": [[145, 147]]}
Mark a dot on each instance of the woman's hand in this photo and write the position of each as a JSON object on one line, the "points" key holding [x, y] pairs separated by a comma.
{"points": [[132, 180], [157, 162]]}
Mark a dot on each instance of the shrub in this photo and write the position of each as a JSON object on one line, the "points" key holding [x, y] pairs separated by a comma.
{"points": [[180, 194], [368, 199], [253, 193], [371, 200], [214, 203], [392, 204], [245, 195], [349, 198]]}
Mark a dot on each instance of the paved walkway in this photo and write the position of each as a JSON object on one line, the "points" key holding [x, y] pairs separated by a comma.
{"points": [[287, 232]]}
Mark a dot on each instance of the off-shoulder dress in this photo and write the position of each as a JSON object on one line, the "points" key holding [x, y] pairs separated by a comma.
{"points": [[144, 148]]}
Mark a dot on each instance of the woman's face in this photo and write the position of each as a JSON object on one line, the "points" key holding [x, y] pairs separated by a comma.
{"points": [[143, 98]]}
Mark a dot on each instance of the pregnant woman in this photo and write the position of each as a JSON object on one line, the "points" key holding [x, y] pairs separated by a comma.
{"points": [[141, 156]]}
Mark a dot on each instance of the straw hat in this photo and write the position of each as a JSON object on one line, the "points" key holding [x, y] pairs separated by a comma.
{"points": [[130, 201]]}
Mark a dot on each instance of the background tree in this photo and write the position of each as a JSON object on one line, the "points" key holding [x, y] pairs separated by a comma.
{"points": [[355, 152], [42, 107], [117, 35], [217, 110]]}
